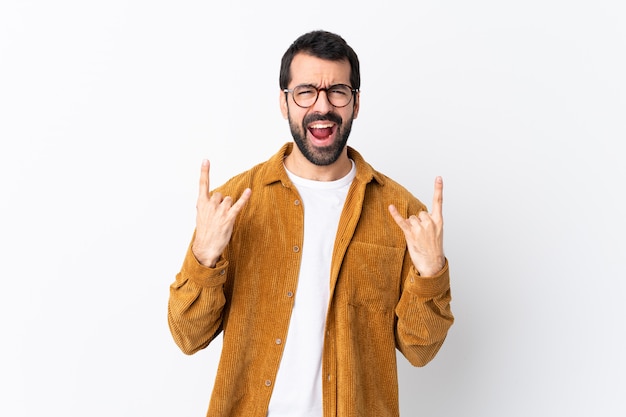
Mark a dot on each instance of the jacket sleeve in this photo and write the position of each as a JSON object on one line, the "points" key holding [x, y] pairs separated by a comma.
{"points": [[423, 314], [196, 303]]}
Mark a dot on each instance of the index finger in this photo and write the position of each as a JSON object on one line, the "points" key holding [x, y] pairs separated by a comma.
{"points": [[437, 208], [204, 179]]}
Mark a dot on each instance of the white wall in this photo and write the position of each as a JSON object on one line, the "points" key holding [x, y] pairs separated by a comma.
{"points": [[107, 108]]}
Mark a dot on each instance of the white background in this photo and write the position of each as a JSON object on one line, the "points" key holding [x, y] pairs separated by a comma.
{"points": [[108, 107]]}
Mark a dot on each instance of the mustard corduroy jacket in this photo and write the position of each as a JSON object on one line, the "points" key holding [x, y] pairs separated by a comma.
{"points": [[378, 301]]}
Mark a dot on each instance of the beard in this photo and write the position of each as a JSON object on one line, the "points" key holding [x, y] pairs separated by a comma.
{"points": [[325, 155]]}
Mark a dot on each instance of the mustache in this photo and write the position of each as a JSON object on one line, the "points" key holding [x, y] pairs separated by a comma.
{"points": [[330, 116]]}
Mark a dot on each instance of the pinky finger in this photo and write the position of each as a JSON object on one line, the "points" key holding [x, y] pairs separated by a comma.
{"points": [[400, 221]]}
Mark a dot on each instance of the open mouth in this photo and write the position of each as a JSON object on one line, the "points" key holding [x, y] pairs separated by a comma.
{"points": [[322, 130]]}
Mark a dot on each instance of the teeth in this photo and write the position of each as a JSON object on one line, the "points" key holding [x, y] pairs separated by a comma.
{"points": [[321, 125]]}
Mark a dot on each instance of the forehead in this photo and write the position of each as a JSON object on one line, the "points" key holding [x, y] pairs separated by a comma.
{"points": [[308, 69]]}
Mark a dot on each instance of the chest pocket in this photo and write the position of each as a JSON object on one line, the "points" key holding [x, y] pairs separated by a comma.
{"points": [[371, 276]]}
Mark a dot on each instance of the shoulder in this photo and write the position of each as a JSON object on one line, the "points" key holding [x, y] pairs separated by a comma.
{"points": [[264, 173], [383, 189], [389, 190]]}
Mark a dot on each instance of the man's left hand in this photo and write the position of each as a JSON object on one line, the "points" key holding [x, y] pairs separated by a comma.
{"points": [[424, 234]]}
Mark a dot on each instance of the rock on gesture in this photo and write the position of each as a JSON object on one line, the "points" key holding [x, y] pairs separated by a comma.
{"points": [[424, 234], [214, 220]]}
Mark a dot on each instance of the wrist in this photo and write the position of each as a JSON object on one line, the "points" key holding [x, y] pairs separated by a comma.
{"points": [[204, 259], [432, 268]]}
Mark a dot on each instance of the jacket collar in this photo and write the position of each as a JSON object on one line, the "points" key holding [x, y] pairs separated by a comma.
{"points": [[274, 170]]}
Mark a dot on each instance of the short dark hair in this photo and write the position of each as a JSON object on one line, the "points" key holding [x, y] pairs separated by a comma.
{"points": [[324, 45]]}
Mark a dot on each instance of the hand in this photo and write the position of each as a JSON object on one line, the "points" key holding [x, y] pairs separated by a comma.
{"points": [[424, 234], [214, 220]]}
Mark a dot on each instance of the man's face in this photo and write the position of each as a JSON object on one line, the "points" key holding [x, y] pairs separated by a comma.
{"points": [[320, 131]]}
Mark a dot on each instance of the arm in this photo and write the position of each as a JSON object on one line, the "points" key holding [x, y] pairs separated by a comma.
{"points": [[423, 312], [197, 296], [195, 304], [424, 315]]}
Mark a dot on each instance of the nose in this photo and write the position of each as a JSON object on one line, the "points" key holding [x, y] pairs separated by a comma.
{"points": [[322, 104]]}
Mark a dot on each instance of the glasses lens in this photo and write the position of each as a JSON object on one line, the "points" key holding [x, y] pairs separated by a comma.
{"points": [[339, 95], [305, 95]]}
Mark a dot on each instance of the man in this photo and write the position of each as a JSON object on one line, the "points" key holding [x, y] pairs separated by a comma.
{"points": [[314, 266]]}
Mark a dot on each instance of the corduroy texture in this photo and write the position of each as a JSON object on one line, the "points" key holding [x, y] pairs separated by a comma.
{"points": [[378, 301]]}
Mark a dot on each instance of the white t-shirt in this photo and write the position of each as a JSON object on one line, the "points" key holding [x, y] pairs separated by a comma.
{"points": [[298, 387]]}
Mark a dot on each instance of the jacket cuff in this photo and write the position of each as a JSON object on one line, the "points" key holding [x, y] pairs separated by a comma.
{"points": [[203, 275], [428, 287]]}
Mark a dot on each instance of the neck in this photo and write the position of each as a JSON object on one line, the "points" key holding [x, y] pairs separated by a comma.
{"points": [[302, 167]]}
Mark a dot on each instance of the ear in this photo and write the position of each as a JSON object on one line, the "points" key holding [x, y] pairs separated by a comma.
{"points": [[357, 104], [282, 98]]}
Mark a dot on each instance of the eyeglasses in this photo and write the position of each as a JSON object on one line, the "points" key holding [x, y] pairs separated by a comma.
{"points": [[339, 95]]}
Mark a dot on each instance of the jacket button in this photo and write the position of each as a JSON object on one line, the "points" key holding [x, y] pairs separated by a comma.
{"points": [[289, 294], [297, 202], [278, 341], [268, 382], [296, 248]]}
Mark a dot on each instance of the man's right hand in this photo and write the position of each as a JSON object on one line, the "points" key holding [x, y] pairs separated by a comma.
{"points": [[214, 220]]}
